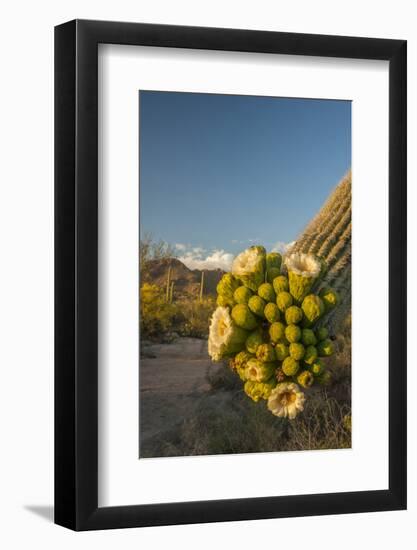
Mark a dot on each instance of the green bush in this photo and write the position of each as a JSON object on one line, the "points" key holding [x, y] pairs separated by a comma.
{"points": [[187, 317]]}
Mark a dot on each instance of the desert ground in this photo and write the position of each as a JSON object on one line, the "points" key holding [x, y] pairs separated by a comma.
{"points": [[174, 382]]}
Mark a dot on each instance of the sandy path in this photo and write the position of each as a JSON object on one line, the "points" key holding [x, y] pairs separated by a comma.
{"points": [[172, 385]]}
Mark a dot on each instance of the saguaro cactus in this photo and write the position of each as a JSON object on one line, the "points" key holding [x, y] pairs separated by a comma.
{"points": [[168, 285], [171, 294], [202, 286], [329, 235]]}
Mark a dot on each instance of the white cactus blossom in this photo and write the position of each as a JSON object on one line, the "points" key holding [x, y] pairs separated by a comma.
{"points": [[286, 400], [224, 336], [254, 370], [245, 263], [220, 330], [305, 265], [249, 267]]}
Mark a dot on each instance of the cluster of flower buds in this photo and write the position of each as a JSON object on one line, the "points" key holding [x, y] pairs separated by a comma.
{"points": [[268, 323]]}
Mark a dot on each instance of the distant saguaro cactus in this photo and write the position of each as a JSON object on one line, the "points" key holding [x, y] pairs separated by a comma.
{"points": [[171, 294], [202, 286], [168, 287], [329, 236]]}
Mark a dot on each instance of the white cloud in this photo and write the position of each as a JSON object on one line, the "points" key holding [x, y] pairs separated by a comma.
{"points": [[246, 242], [282, 247], [198, 258]]}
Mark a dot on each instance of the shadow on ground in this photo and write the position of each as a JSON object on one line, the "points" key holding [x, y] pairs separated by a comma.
{"points": [[45, 512]]}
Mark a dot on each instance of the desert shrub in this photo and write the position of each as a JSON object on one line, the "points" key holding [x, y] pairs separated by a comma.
{"points": [[156, 315], [187, 317], [195, 316]]}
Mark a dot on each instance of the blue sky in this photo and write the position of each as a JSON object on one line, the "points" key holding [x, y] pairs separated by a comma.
{"points": [[220, 172]]}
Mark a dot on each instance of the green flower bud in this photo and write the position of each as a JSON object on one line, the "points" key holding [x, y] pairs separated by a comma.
{"points": [[293, 333], [308, 338], [293, 315], [249, 267], [273, 259], [254, 340], [241, 371], [243, 317], [305, 379], [325, 378], [266, 291], [303, 271], [330, 298], [259, 390], [226, 288], [280, 284], [325, 348], [258, 371], [242, 294], [284, 300], [297, 351], [222, 301], [276, 331], [271, 312], [253, 390], [317, 367], [265, 353], [322, 333], [281, 351], [260, 250], [272, 273], [242, 358], [240, 363], [290, 366], [312, 307], [257, 305], [310, 355]]}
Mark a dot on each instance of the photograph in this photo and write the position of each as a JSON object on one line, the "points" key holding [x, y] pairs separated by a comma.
{"points": [[244, 274]]}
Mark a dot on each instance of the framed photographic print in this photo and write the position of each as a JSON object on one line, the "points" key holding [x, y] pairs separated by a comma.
{"points": [[230, 275]]}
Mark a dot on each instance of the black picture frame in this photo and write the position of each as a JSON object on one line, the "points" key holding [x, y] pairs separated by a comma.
{"points": [[76, 272]]}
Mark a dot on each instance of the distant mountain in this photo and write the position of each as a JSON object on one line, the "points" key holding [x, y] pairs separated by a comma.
{"points": [[187, 281]]}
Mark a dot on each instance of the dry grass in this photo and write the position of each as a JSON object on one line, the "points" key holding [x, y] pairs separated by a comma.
{"points": [[243, 426]]}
